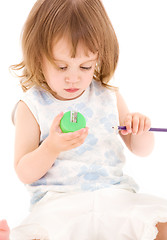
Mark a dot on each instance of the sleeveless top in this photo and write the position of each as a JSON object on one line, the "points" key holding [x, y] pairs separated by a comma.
{"points": [[98, 162]]}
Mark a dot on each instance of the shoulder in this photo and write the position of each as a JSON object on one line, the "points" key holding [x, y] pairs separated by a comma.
{"points": [[122, 106], [22, 113], [38, 96], [26, 104], [33, 93], [99, 89], [119, 96]]}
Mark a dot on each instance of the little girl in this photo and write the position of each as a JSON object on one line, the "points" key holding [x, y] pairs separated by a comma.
{"points": [[78, 189]]}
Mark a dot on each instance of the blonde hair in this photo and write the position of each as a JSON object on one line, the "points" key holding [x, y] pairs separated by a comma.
{"points": [[79, 20]]}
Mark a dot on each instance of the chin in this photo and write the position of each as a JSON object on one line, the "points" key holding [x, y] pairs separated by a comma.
{"points": [[74, 95]]}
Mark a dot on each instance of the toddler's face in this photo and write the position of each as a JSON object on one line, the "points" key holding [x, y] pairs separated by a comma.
{"points": [[69, 77]]}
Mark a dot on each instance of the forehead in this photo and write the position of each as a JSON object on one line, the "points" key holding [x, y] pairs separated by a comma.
{"points": [[62, 50]]}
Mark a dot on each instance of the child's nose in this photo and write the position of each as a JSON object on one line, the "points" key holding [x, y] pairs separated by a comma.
{"points": [[72, 79]]}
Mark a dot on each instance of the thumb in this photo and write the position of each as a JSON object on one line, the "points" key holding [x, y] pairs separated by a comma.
{"points": [[56, 122]]}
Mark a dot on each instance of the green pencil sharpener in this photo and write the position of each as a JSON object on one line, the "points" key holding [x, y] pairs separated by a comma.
{"points": [[72, 121]]}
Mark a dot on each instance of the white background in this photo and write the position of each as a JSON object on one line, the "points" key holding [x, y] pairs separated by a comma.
{"points": [[141, 76]]}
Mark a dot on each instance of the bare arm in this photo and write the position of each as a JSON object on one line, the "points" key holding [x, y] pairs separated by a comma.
{"points": [[137, 137], [31, 160]]}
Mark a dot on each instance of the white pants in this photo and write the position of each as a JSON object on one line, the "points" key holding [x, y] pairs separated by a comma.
{"points": [[107, 214]]}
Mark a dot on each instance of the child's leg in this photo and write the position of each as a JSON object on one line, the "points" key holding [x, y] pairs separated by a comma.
{"points": [[162, 231], [4, 230]]}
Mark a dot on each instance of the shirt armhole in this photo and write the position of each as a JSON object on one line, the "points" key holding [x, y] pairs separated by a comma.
{"points": [[29, 105]]}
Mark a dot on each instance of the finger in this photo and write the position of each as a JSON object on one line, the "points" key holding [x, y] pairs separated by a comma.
{"points": [[147, 124], [56, 121], [124, 132], [79, 141], [141, 126], [135, 124], [81, 137], [74, 135], [128, 124], [76, 142]]}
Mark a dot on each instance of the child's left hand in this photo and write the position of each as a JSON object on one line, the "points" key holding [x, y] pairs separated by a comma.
{"points": [[136, 124]]}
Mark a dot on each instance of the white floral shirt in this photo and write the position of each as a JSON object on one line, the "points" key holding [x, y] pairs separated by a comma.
{"points": [[98, 162]]}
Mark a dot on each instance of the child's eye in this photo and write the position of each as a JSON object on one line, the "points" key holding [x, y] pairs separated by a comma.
{"points": [[62, 68], [86, 68]]}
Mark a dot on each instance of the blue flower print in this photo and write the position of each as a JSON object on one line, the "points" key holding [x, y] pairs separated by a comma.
{"points": [[98, 89], [82, 108], [44, 99], [112, 159], [88, 145], [115, 182], [108, 122], [88, 187], [41, 181], [37, 196], [92, 173]]}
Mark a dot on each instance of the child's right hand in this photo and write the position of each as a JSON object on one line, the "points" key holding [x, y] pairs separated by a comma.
{"points": [[59, 142]]}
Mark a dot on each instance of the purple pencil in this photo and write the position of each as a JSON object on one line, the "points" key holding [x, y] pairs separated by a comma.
{"points": [[151, 129]]}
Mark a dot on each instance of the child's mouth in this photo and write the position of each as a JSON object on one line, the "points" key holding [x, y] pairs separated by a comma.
{"points": [[71, 90]]}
